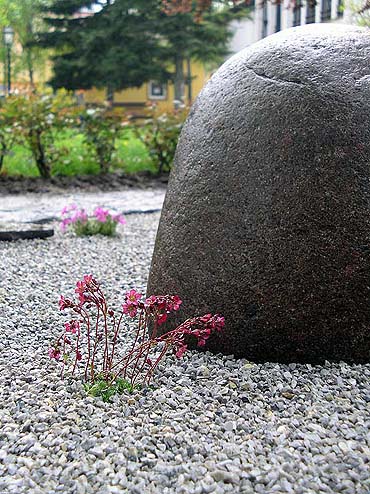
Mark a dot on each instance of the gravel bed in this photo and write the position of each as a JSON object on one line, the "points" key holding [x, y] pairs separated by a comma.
{"points": [[212, 424]]}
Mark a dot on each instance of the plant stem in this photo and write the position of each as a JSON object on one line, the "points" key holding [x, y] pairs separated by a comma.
{"points": [[115, 339]]}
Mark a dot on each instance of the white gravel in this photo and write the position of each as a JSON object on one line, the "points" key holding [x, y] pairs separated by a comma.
{"points": [[213, 424]]}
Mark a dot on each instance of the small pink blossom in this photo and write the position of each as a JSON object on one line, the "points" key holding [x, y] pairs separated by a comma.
{"points": [[176, 302], [101, 214], [181, 350], [130, 306], [79, 216], [88, 279], [133, 296], [68, 209], [64, 224], [150, 301], [72, 326], [130, 309], [118, 218], [80, 287], [54, 353], [64, 303], [162, 318]]}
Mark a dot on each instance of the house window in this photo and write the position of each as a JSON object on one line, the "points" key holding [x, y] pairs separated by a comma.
{"points": [[297, 14], [264, 19], [340, 8], [311, 12], [325, 10], [157, 90], [278, 17]]}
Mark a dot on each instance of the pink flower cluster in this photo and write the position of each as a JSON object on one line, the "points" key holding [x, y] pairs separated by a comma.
{"points": [[70, 215], [97, 328], [157, 306], [199, 327], [103, 215], [88, 284]]}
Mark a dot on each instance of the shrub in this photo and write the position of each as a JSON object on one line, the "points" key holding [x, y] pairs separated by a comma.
{"points": [[8, 130], [101, 129], [160, 133], [92, 338], [102, 223], [37, 118]]}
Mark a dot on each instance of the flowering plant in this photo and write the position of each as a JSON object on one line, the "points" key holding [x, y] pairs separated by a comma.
{"points": [[103, 222], [92, 337]]}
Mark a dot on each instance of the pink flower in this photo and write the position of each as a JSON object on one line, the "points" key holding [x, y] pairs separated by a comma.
{"points": [[133, 296], [80, 287], [54, 353], [64, 303], [130, 309], [80, 216], [181, 350], [176, 302], [161, 318], [69, 208], [101, 214], [72, 326], [151, 301], [88, 279], [64, 223], [131, 303], [118, 218]]}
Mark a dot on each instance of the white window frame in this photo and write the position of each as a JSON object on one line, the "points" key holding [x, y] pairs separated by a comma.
{"points": [[155, 96]]}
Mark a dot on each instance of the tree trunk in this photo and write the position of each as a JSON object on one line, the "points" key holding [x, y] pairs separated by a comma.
{"points": [[28, 50], [110, 96], [30, 69], [179, 80], [189, 81], [2, 154], [39, 155]]}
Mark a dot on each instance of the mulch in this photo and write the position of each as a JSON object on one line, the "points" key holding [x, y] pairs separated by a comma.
{"points": [[87, 183]]}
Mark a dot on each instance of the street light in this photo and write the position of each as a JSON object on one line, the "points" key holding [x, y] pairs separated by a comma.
{"points": [[8, 35]]}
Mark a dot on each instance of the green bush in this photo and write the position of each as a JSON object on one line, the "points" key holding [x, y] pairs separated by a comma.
{"points": [[8, 132], [35, 121], [101, 130], [160, 133]]}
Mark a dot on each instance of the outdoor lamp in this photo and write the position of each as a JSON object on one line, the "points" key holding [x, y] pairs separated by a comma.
{"points": [[8, 34]]}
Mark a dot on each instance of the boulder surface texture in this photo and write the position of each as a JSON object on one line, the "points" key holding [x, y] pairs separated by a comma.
{"points": [[267, 214]]}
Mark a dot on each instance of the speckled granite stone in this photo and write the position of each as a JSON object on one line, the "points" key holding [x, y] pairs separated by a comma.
{"points": [[266, 218]]}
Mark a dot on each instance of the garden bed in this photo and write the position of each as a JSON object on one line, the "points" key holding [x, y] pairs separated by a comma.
{"points": [[87, 183]]}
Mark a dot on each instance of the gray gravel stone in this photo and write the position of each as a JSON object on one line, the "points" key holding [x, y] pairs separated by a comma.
{"points": [[212, 424]]}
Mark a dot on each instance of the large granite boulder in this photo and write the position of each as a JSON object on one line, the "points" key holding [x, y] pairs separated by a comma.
{"points": [[267, 214]]}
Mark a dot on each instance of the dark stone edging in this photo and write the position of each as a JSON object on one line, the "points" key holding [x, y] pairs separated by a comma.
{"points": [[10, 236]]}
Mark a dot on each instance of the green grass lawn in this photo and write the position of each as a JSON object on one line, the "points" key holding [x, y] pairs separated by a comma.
{"points": [[77, 159]]}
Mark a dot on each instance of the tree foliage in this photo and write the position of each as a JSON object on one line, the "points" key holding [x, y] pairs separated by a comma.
{"points": [[128, 42], [26, 19], [115, 47]]}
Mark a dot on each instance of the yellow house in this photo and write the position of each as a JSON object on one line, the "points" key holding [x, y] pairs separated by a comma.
{"points": [[135, 100]]}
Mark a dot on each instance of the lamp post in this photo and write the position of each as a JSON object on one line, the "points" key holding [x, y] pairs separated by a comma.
{"points": [[8, 35]]}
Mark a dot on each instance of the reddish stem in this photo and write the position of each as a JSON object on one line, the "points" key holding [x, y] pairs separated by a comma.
{"points": [[115, 338]]}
